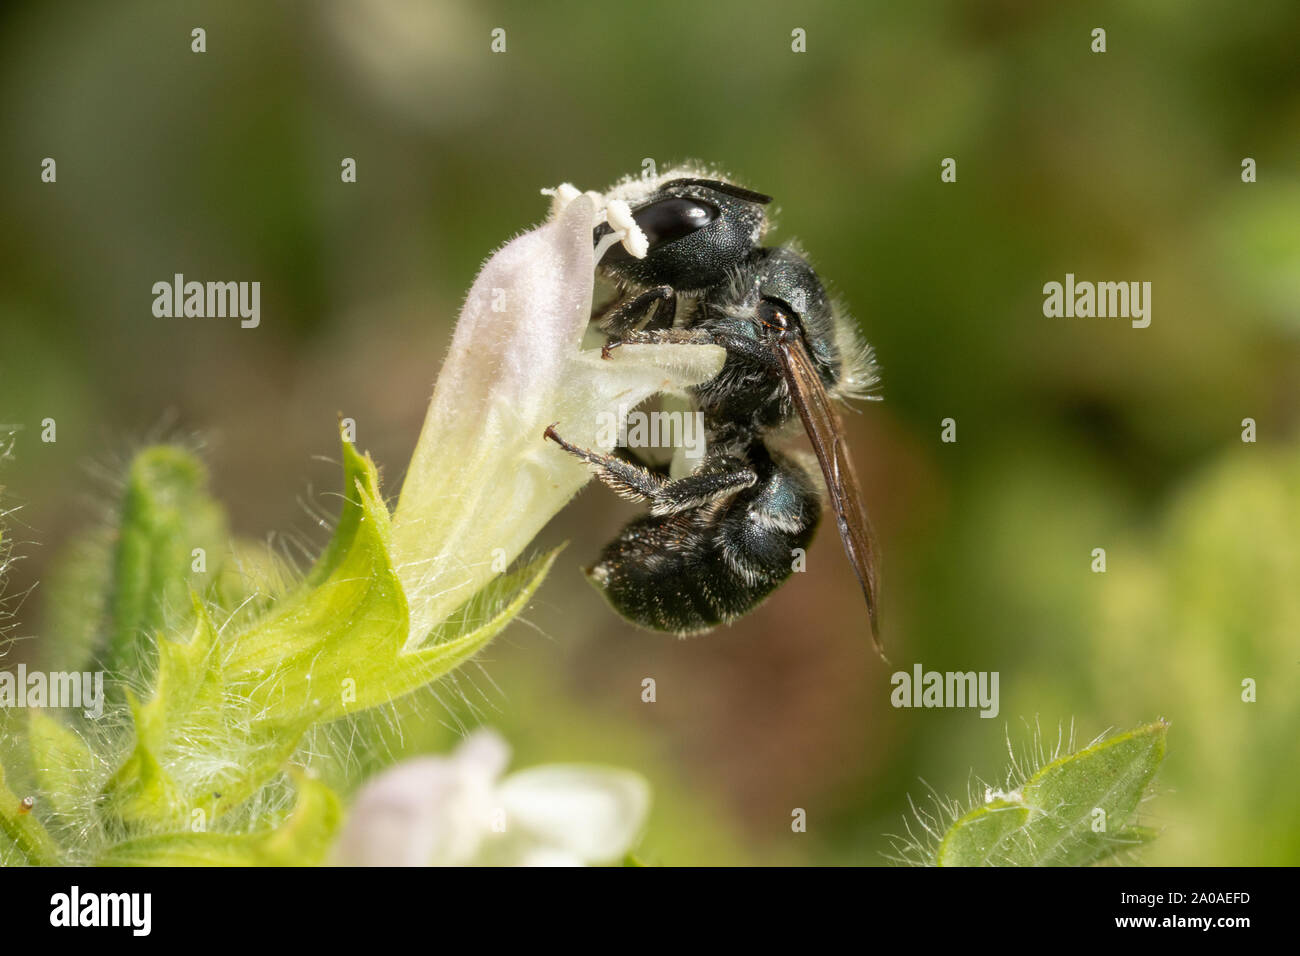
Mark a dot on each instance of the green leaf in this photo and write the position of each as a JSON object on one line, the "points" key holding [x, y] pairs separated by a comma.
{"points": [[302, 840], [197, 746], [188, 681], [62, 761], [75, 602], [22, 837], [141, 790], [166, 514], [1053, 819], [186, 703], [340, 644], [1098, 847], [227, 711], [978, 837]]}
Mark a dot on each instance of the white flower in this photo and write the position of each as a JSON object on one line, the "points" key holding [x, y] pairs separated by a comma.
{"points": [[455, 811], [483, 480]]}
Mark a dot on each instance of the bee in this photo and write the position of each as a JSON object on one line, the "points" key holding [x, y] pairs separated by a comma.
{"points": [[718, 541]]}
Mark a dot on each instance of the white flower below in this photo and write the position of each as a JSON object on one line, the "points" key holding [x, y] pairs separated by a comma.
{"points": [[457, 811]]}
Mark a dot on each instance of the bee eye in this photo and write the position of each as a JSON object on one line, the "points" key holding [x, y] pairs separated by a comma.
{"points": [[670, 219]]}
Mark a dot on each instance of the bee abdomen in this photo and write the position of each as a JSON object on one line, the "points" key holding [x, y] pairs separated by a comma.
{"points": [[689, 572]]}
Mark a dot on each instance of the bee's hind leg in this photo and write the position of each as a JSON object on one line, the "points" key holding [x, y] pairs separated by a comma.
{"points": [[665, 496]]}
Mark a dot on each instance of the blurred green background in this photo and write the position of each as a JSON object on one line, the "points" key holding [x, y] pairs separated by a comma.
{"points": [[1072, 433]]}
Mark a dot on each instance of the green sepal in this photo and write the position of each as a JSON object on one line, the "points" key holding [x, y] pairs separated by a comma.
{"points": [[340, 644]]}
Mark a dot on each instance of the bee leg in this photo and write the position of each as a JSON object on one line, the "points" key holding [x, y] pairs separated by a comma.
{"points": [[686, 573], [665, 496], [632, 456], [698, 490], [657, 305]]}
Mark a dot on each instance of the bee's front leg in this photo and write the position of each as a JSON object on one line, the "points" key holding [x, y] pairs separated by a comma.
{"points": [[624, 315]]}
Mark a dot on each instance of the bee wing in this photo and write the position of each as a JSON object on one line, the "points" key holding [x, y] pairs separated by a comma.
{"points": [[822, 423]]}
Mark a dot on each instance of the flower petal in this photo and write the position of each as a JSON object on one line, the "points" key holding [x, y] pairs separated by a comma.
{"points": [[426, 811], [483, 480], [545, 856], [594, 814]]}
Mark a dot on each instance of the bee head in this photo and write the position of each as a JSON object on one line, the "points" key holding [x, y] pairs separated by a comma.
{"points": [[697, 229]]}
